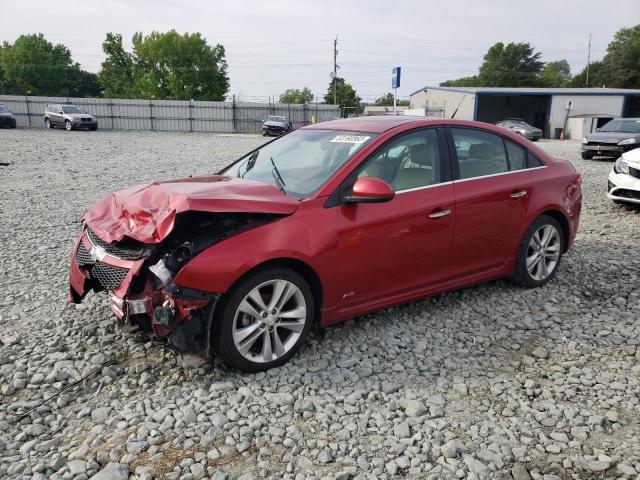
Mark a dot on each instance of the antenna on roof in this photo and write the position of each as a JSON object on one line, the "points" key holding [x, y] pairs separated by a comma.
{"points": [[456, 110]]}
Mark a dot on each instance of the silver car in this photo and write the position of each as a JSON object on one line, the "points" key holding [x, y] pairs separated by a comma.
{"points": [[521, 127], [71, 117]]}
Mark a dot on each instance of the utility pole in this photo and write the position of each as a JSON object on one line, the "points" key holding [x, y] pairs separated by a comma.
{"points": [[588, 57], [335, 71]]}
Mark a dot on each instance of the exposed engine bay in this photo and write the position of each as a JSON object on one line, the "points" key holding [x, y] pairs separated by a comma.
{"points": [[138, 277]]}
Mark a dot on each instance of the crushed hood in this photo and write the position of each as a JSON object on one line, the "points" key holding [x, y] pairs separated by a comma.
{"points": [[147, 213], [273, 123]]}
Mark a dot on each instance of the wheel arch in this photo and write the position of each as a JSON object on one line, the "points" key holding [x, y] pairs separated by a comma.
{"points": [[300, 267], [564, 224]]}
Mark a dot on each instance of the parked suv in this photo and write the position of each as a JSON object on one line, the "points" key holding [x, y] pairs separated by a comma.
{"points": [[613, 139], [71, 117], [7, 118]]}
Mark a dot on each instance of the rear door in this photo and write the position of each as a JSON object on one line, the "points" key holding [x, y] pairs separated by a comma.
{"points": [[55, 115], [386, 249], [492, 189]]}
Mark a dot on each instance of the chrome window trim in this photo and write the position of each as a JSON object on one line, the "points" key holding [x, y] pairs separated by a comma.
{"points": [[424, 188], [498, 174], [468, 179]]}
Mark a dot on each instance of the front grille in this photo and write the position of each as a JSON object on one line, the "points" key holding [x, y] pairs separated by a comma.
{"points": [[113, 249], [108, 276], [83, 257], [603, 144], [85, 119], [634, 172]]}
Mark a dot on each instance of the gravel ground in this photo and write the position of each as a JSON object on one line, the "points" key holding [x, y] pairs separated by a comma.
{"points": [[488, 382]]}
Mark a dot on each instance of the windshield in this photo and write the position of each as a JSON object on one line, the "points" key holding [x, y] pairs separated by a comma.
{"points": [[72, 109], [273, 118], [625, 126], [3, 109], [520, 123], [301, 162]]}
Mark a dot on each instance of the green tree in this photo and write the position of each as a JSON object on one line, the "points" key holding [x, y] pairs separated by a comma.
{"points": [[473, 81], [179, 67], [511, 65], [83, 83], [622, 60], [387, 100], [34, 66], [597, 76], [116, 76], [294, 95], [346, 96], [556, 74]]}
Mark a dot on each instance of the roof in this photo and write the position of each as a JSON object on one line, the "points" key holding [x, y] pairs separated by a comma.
{"points": [[536, 91], [371, 124]]}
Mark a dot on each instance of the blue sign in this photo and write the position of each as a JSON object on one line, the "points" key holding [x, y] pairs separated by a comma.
{"points": [[395, 77]]}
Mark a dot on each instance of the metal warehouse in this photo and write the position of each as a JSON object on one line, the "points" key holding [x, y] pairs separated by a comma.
{"points": [[549, 109]]}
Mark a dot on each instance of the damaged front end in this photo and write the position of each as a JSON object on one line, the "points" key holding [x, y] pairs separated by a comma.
{"points": [[138, 277]]}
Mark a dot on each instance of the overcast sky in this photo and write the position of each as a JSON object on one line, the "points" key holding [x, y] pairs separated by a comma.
{"points": [[273, 45]]}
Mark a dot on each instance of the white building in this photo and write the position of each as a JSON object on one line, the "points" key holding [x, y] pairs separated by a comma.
{"points": [[545, 108]]}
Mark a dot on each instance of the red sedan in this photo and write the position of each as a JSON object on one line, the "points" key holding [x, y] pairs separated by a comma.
{"points": [[325, 223]]}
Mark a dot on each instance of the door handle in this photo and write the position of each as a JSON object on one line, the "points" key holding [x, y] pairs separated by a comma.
{"points": [[519, 194], [439, 214]]}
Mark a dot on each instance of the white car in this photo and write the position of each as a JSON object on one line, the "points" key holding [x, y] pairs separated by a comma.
{"points": [[624, 179]]}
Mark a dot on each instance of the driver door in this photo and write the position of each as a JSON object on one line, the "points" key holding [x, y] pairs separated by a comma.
{"points": [[389, 249]]}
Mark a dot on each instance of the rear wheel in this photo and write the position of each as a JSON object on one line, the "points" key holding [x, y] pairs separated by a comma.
{"points": [[586, 155], [68, 126], [264, 320], [540, 253]]}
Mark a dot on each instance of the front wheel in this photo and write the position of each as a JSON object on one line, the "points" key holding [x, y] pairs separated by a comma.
{"points": [[47, 123], [540, 253], [68, 126], [264, 320]]}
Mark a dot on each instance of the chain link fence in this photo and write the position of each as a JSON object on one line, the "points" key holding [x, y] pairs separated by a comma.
{"points": [[171, 115]]}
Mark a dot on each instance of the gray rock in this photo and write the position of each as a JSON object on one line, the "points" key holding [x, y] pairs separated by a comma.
{"points": [[520, 472], [112, 471]]}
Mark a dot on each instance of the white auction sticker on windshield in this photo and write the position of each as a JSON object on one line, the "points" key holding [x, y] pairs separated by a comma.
{"points": [[350, 139]]}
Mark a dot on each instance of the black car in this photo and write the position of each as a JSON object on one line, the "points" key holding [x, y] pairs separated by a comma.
{"points": [[521, 127], [275, 125], [71, 117], [7, 118], [612, 139]]}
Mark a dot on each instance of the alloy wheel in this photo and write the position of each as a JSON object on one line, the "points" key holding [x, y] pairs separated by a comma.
{"points": [[543, 252], [67, 125], [269, 321], [47, 123]]}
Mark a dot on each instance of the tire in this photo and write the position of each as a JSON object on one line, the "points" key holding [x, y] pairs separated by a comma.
{"points": [[586, 155], [67, 126], [535, 275], [250, 353], [47, 123]]}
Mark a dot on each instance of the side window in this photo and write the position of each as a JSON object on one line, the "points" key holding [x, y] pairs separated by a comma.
{"points": [[479, 153], [533, 161], [517, 156], [410, 161]]}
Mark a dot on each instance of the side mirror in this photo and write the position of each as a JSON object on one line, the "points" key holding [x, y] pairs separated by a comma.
{"points": [[370, 190], [597, 129]]}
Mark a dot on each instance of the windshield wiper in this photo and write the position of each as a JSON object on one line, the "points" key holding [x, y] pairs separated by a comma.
{"points": [[278, 178]]}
